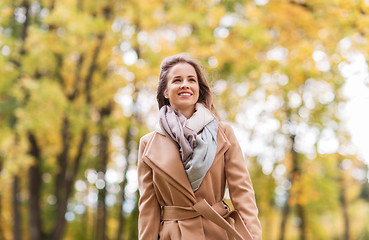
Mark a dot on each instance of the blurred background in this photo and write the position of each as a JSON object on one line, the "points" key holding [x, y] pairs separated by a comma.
{"points": [[78, 89]]}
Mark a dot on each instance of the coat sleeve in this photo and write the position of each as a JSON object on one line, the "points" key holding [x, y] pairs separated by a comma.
{"points": [[149, 208], [240, 186]]}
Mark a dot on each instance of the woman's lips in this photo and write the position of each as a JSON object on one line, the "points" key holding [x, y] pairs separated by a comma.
{"points": [[185, 94]]}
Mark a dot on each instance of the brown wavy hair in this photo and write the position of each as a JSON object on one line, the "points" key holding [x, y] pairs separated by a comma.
{"points": [[205, 93]]}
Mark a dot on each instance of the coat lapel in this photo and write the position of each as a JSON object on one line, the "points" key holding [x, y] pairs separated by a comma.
{"points": [[162, 156], [222, 143]]}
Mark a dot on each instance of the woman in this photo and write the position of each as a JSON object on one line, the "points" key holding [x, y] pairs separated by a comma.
{"points": [[184, 165]]}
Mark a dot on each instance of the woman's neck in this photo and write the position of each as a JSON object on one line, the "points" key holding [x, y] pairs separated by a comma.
{"points": [[188, 112]]}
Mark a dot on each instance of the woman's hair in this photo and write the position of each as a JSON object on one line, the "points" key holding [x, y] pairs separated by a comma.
{"points": [[205, 94]]}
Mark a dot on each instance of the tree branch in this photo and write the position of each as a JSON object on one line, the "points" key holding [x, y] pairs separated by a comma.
{"points": [[303, 5], [92, 67], [78, 78], [24, 32]]}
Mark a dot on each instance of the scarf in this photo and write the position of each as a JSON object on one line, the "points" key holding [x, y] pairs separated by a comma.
{"points": [[197, 151]]}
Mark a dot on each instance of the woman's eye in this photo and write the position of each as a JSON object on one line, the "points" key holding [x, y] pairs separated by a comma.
{"points": [[176, 80], [193, 80]]}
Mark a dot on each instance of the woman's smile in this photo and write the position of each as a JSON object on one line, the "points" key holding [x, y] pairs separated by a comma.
{"points": [[185, 94]]}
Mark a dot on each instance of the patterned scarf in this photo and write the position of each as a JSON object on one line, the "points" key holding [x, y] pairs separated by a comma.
{"points": [[197, 150]]}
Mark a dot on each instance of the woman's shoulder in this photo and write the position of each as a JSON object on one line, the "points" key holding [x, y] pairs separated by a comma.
{"points": [[225, 126], [147, 137], [228, 131], [144, 140]]}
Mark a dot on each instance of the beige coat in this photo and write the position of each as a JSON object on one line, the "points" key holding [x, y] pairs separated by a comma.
{"points": [[163, 182]]}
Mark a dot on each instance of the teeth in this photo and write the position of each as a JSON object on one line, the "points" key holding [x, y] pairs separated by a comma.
{"points": [[185, 94]]}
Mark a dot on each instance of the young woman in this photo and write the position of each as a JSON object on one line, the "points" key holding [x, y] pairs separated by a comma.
{"points": [[184, 166]]}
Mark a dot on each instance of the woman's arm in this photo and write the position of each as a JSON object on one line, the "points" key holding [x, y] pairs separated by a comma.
{"points": [[149, 217], [240, 186]]}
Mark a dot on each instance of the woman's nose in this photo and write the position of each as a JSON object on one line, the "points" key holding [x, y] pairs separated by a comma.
{"points": [[184, 84]]}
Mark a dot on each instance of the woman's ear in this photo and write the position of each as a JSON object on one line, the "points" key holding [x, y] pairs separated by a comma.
{"points": [[166, 94]]}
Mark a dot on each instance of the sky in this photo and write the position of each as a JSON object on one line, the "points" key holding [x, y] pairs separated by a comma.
{"points": [[356, 111]]}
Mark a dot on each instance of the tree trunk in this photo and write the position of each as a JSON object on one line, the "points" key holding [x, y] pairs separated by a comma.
{"points": [[293, 178], [133, 233], [34, 187], [123, 184], [34, 203], [302, 215], [104, 156], [101, 206], [17, 229], [101, 216], [60, 183], [65, 190], [285, 213], [1, 227], [121, 218], [344, 208]]}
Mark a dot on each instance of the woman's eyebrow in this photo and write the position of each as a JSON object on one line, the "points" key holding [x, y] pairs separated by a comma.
{"points": [[181, 76]]}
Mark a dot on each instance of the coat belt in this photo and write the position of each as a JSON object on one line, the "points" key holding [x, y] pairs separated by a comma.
{"points": [[219, 214]]}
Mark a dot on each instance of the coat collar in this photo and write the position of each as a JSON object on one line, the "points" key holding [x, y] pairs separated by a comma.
{"points": [[163, 157]]}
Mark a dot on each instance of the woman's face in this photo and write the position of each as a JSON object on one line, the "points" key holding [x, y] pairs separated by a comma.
{"points": [[182, 88]]}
